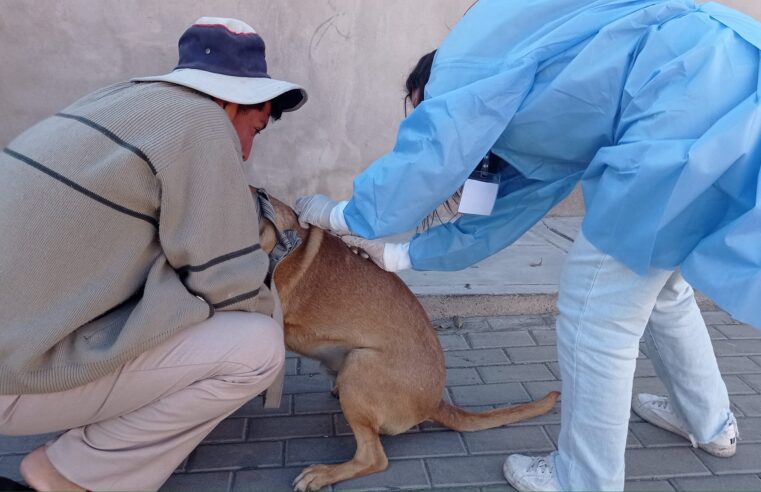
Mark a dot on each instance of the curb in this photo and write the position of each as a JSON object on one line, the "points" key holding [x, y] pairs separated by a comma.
{"points": [[448, 306]]}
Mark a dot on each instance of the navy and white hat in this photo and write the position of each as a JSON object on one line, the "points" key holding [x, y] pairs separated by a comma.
{"points": [[224, 58]]}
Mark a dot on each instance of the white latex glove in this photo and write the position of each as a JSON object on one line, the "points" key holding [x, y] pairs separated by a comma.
{"points": [[392, 257], [323, 212]]}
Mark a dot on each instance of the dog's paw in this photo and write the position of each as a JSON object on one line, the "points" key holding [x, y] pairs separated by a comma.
{"points": [[313, 478]]}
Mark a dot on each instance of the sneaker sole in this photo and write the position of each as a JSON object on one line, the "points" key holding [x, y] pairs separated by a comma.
{"points": [[720, 452]]}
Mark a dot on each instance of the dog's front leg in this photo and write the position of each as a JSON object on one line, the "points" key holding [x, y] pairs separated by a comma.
{"points": [[369, 458]]}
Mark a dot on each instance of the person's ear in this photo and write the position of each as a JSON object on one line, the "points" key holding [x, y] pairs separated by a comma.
{"points": [[230, 108]]}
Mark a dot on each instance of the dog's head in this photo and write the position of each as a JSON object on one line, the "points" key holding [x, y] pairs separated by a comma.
{"points": [[285, 219]]}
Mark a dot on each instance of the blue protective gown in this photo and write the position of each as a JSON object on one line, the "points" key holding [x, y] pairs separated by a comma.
{"points": [[652, 104]]}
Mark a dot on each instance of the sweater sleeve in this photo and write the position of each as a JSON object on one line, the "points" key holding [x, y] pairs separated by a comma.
{"points": [[208, 227]]}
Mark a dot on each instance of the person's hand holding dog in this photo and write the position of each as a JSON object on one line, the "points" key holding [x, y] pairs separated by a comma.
{"points": [[391, 257], [323, 212]]}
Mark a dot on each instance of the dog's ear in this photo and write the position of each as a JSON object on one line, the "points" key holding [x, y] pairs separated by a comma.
{"points": [[267, 236], [287, 218]]}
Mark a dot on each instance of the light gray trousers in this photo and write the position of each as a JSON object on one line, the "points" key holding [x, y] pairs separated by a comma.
{"points": [[131, 429], [605, 308]]}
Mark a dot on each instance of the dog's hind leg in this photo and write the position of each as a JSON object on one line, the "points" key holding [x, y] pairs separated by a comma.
{"points": [[369, 458], [367, 415]]}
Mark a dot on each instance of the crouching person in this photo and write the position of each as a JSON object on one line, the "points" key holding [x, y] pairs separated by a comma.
{"points": [[134, 316]]}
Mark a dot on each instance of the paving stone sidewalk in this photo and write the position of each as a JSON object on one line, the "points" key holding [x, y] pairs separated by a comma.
{"points": [[491, 361]]}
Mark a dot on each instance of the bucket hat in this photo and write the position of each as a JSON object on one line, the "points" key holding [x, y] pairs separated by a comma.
{"points": [[224, 58]]}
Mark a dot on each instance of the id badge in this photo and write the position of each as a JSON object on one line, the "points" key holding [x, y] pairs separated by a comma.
{"points": [[479, 193]]}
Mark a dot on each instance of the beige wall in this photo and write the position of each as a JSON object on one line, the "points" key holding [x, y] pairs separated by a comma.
{"points": [[351, 55], [752, 7]]}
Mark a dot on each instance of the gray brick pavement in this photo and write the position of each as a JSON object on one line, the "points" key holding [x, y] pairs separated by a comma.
{"points": [[199, 482], [647, 486], [500, 339], [749, 405], [491, 361], [508, 440], [515, 373], [738, 365], [737, 482], [751, 429], [475, 358], [214, 457], [407, 474], [230, 430], [673, 462], [461, 376], [489, 394]]}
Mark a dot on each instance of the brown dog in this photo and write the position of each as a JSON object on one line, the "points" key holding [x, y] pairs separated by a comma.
{"points": [[365, 324]]}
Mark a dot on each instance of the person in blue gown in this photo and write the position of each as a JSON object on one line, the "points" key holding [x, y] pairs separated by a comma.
{"points": [[653, 106]]}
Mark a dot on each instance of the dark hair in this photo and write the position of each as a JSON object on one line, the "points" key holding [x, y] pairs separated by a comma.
{"points": [[419, 75], [275, 113]]}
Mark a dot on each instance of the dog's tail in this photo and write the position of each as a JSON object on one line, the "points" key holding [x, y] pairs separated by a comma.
{"points": [[458, 419]]}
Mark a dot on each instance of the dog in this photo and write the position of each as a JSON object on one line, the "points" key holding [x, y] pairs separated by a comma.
{"points": [[363, 324]]}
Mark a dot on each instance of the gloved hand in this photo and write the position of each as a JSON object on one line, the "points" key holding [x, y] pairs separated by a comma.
{"points": [[323, 212], [392, 257]]}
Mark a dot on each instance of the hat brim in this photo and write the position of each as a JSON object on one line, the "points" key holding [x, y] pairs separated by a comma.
{"points": [[241, 90]]}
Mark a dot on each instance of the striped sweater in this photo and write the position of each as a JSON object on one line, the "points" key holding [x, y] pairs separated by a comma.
{"points": [[124, 218]]}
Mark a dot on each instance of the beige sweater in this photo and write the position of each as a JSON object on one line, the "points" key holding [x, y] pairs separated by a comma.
{"points": [[123, 219]]}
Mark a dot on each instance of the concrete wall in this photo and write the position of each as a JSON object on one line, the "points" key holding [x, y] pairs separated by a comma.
{"points": [[351, 55], [751, 7]]}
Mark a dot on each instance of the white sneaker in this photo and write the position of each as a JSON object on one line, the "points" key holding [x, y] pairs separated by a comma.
{"points": [[531, 473], [658, 411]]}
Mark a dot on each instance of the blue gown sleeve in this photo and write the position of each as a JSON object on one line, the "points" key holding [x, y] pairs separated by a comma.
{"points": [[471, 238], [437, 147]]}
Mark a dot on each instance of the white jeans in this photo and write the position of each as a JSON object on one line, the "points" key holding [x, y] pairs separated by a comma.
{"points": [[604, 310]]}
